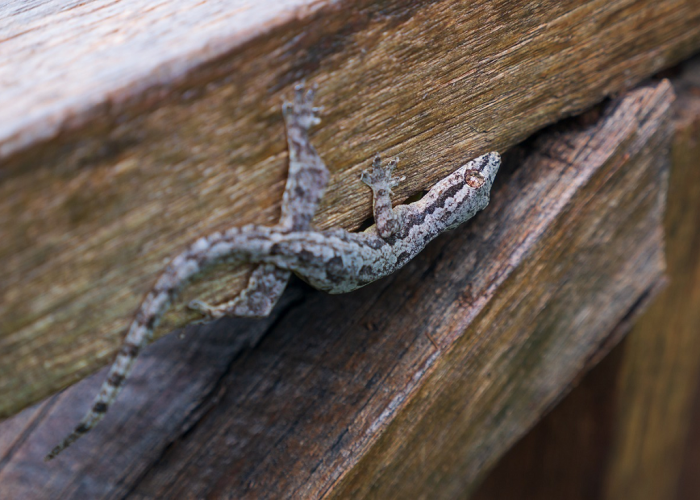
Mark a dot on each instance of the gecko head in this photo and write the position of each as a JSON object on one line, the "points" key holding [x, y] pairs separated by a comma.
{"points": [[471, 186], [480, 172], [460, 195]]}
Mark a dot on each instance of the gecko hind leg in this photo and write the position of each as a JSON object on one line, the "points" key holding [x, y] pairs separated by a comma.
{"points": [[265, 287], [306, 182], [308, 175], [380, 180]]}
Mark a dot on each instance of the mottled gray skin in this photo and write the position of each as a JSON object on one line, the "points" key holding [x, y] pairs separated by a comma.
{"points": [[334, 261]]}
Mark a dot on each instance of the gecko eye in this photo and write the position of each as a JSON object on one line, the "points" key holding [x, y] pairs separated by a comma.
{"points": [[474, 178]]}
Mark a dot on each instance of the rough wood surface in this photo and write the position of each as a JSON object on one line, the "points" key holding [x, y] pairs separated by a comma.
{"points": [[534, 338], [624, 432], [111, 163], [345, 396]]}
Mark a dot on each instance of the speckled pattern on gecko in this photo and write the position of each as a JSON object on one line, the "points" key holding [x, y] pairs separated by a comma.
{"points": [[334, 261]]}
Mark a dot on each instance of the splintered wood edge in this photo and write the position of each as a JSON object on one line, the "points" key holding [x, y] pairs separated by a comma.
{"points": [[90, 216], [660, 369]]}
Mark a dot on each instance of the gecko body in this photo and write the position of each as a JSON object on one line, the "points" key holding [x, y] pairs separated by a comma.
{"points": [[335, 260]]}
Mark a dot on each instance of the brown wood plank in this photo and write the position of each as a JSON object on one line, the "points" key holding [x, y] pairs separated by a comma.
{"points": [[689, 481], [345, 396], [627, 431], [111, 163]]}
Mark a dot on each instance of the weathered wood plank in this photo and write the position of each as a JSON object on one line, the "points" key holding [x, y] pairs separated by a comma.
{"points": [[112, 163], [516, 359], [65, 63], [346, 396]]}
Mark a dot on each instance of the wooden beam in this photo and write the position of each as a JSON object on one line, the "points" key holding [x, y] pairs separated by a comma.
{"points": [[111, 163], [345, 396]]}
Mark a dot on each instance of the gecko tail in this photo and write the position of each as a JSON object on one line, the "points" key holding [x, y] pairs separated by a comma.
{"points": [[152, 309], [139, 335], [88, 422]]}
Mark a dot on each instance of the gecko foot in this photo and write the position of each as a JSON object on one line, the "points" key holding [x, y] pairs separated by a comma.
{"points": [[208, 312], [265, 286], [300, 111], [379, 177]]}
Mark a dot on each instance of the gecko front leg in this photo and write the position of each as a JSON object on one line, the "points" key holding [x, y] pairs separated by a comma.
{"points": [[381, 182], [306, 182]]}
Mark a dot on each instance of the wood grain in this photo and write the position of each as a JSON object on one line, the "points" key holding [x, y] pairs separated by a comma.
{"points": [[111, 163], [627, 430], [345, 396]]}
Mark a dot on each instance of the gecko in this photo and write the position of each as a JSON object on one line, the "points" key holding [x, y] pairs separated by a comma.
{"points": [[334, 260]]}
